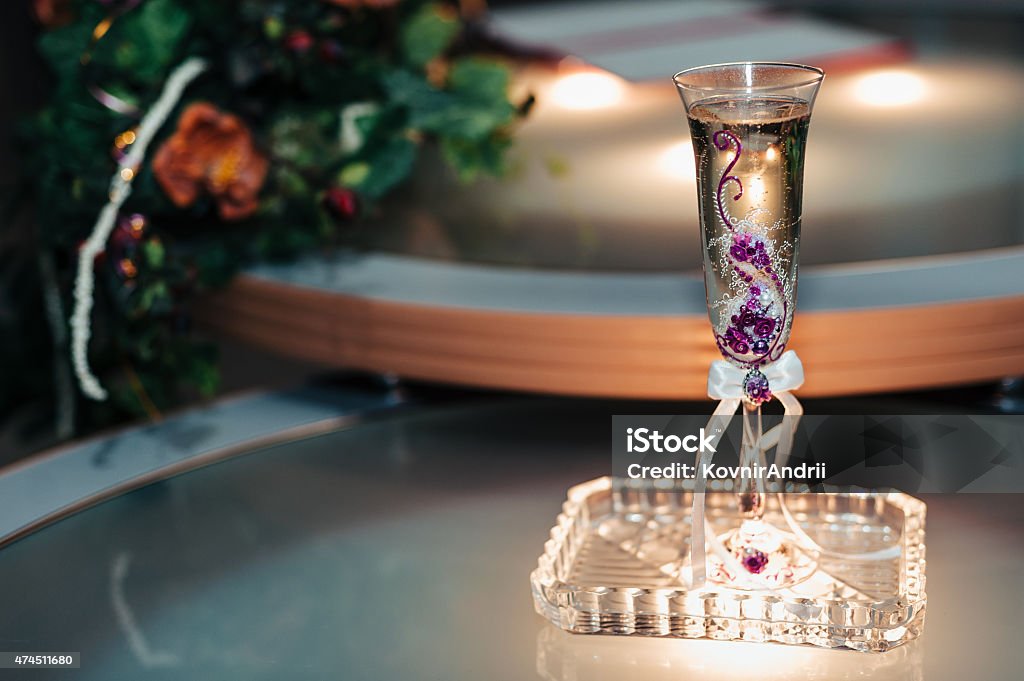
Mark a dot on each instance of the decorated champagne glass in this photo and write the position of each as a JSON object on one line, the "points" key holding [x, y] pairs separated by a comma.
{"points": [[748, 124]]}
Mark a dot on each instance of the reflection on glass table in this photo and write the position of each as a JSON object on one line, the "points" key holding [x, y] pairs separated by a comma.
{"points": [[562, 657], [400, 548]]}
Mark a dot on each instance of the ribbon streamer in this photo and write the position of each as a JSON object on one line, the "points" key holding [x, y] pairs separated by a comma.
{"points": [[725, 383]]}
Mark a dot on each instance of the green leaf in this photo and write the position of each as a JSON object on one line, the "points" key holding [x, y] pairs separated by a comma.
{"points": [[304, 139], [273, 28], [420, 98], [467, 121], [146, 39], [473, 114], [428, 33], [390, 163], [480, 80], [202, 370], [155, 297], [469, 158], [291, 183], [354, 174], [63, 48], [154, 251]]}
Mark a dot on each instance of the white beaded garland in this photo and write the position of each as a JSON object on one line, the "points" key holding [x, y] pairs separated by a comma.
{"points": [[120, 188]]}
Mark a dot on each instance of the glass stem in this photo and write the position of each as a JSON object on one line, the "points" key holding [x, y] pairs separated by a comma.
{"points": [[749, 492]]}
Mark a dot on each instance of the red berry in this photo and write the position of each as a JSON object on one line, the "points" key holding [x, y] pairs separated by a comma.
{"points": [[342, 202], [298, 41]]}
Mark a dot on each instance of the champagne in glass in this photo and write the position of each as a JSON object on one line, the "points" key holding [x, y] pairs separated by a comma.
{"points": [[748, 122], [748, 152]]}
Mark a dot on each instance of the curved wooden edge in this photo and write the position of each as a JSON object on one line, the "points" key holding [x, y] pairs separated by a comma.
{"points": [[844, 352]]}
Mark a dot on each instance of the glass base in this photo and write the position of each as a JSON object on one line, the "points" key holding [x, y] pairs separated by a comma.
{"points": [[759, 557], [617, 563]]}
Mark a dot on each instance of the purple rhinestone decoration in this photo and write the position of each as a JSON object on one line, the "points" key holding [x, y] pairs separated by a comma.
{"points": [[755, 387], [759, 316], [755, 561]]}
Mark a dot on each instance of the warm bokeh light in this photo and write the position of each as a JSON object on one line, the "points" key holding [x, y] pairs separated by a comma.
{"points": [[890, 88], [755, 189], [677, 161], [588, 90]]}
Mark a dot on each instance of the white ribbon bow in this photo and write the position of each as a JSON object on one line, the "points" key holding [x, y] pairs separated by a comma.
{"points": [[725, 383]]}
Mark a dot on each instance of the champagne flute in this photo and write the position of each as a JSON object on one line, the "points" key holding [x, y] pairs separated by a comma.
{"points": [[748, 123]]}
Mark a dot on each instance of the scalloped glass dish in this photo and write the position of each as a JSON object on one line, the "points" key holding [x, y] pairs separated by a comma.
{"points": [[617, 556]]}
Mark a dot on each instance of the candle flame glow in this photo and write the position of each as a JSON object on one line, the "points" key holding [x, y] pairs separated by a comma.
{"points": [[588, 90], [890, 88], [755, 189]]}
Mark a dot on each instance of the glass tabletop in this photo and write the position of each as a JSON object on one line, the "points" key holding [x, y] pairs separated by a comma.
{"points": [[401, 548]]}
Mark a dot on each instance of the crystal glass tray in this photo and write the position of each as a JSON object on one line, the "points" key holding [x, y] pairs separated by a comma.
{"points": [[617, 557]]}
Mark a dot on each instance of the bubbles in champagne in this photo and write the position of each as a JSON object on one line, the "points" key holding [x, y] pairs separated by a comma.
{"points": [[749, 153]]}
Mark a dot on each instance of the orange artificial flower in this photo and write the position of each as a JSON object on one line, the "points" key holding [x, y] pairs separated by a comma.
{"points": [[211, 152]]}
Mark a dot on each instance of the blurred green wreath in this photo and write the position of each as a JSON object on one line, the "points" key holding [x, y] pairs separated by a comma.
{"points": [[300, 117]]}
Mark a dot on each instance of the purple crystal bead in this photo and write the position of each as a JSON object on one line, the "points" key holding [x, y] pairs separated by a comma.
{"points": [[755, 387], [755, 561]]}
